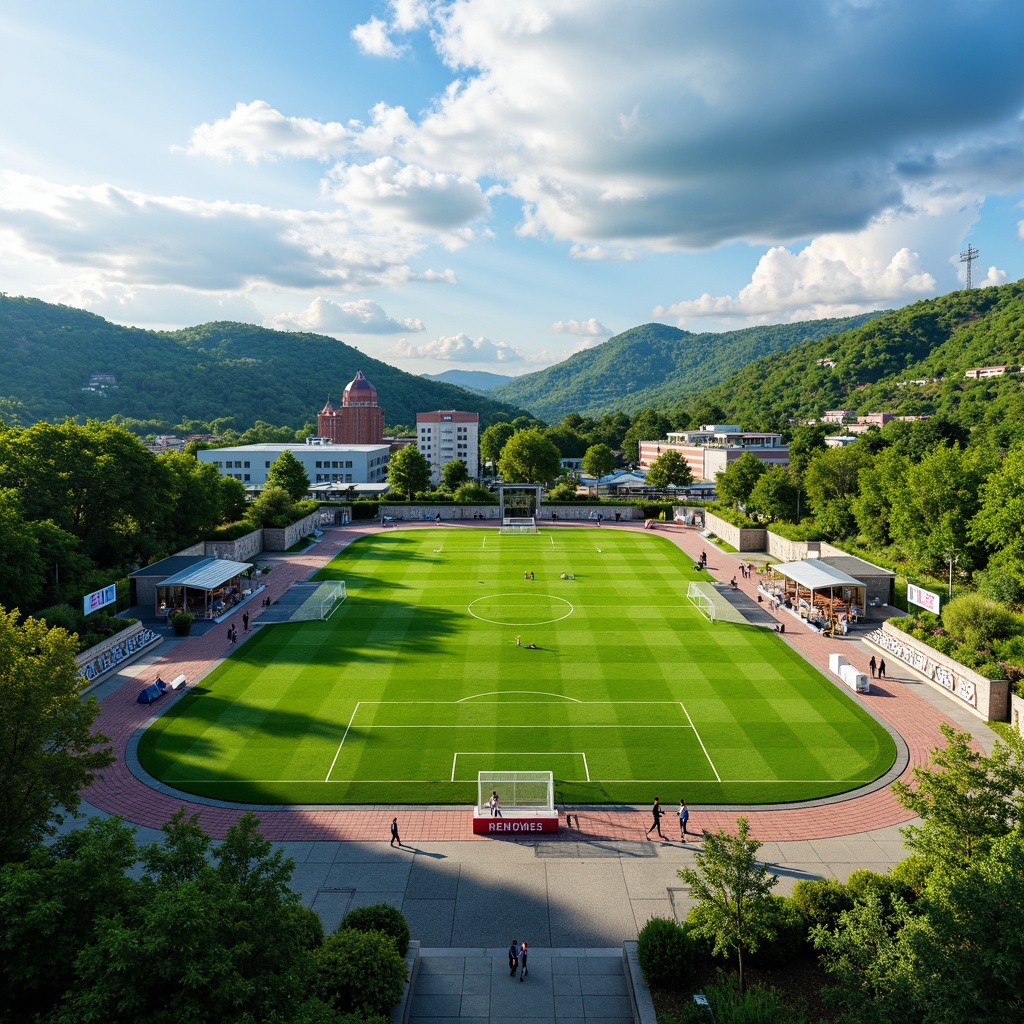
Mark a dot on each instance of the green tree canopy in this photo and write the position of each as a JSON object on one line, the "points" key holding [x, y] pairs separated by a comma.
{"points": [[733, 891], [21, 567], [646, 425], [273, 508], [454, 473], [669, 468], [774, 496], [46, 748], [492, 440], [735, 484], [408, 471], [286, 471], [529, 458], [194, 496], [598, 461]]}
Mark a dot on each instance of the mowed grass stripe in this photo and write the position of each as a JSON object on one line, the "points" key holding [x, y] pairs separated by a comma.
{"points": [[267, 724]]}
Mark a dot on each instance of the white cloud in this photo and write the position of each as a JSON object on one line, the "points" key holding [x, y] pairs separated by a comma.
{"points": [[372, 38], [256, 131], [460, 348], [994, 277], [592, 328], [363, 316]]}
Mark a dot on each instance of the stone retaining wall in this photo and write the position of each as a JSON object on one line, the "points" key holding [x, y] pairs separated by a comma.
{"points": [[283, 539], [989, 699], [425, 513], [741, 538], [117, 650]]}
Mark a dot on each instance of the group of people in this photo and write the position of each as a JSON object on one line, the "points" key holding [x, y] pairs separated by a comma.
{"points": [[517, 960], [684, 817], [747, 570], [495, 804], [528, 575], [877, 667], [529, 647]]}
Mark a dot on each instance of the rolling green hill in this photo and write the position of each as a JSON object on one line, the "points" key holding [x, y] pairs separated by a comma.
{"points": [[231, 372], [479, 381], [654, 366], [879, 365]]}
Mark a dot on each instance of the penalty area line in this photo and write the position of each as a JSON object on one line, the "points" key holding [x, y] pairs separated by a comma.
{"points": [[344, 737], [718, 778]]}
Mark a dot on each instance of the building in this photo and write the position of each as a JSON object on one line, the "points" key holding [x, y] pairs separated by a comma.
{"points": [[838, 415], [872, 419], [446, 435], [324, 462], [711, 449], [985, 372], [359, 420]]}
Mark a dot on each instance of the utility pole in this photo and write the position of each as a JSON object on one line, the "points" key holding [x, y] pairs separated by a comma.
{"points": [[968, 256], [951, 557]]}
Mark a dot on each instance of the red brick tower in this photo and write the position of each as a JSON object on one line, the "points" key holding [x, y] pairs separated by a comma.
{"points": [[360, 420]]}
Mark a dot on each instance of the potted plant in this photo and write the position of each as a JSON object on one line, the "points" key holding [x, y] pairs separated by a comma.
{"points": [[181, 622]]}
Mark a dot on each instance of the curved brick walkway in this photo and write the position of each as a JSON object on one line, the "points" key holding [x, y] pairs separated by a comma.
{"points": [[120, 792]]}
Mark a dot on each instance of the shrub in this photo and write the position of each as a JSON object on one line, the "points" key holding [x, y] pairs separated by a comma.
{"points": [[821, 900], [666, 952], [864, 883], [358, 972], [758, 1005], [790, 927], [62, 615], [977, 622], [912, 873], [381, 917]]}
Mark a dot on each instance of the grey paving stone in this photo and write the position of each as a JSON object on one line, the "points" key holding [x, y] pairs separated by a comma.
{"points": [[476, 984], [430, 920], [568, 1006], [604, 985], [391, 876], [436, 1005], [476, 1004], [439, 984], [600, 1007], [566, 985], [441, 965]]}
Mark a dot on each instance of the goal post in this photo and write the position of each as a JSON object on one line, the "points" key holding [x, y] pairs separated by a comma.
{"points": [[517, 791], [333, 599], [704, 604]]}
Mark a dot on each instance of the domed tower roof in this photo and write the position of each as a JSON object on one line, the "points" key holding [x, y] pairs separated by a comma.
{"points": [[360, 391]]}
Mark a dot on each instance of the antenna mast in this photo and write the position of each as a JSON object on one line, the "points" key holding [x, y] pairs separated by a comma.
{"points": [[968, 256]]}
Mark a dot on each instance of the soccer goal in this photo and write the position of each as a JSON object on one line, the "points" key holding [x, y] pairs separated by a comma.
{"points": [[704, 604], [519, 791], [518, 524], [517, 506], [332, 600]]}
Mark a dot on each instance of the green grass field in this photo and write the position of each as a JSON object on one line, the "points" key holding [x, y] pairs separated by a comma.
{"points": [[416, 684]]}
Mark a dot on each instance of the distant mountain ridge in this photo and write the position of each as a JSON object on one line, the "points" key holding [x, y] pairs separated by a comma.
{"points": [[479, 381], [229, 372], [655, 365]]}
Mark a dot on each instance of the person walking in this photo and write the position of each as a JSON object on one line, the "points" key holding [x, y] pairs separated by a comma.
{"points": [[229, 634], [245, 622], [684, 817], [872, 664], [395, 838], [881, 669], [513, 959], [523, 969], [234, 634], [656, 823]]}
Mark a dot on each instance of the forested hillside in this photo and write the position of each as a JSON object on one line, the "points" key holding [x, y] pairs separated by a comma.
{"points": [[881, 365], [479, 381], [228, 373], [654, 366]]}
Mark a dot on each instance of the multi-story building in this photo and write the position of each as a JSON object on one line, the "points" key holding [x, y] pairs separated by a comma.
{"points": [[446, 435], [711, 449], [324, 461], [359, 420]]}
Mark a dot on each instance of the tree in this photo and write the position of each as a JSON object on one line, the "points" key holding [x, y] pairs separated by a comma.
{"points": [[454, 473], [735, 484], [232, 499], [965, 802], [733, 891], [832, 482], [287, 472], [598, 461], [774, 496], [46, 747], [493, 440], [805, 442], [529, 458], [21, 568], [646, 425], [669, 468], [194, 494], [408, 471], [272, 508]]}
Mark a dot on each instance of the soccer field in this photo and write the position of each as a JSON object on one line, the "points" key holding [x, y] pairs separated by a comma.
{"points": [[416, 683]]}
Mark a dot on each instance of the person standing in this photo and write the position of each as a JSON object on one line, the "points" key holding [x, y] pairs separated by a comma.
{"points": [[684, 817], [872, 664], [495, 804], [513, 959], [523, 969], [656, 823], [229, 633], [881, 669], [395, 838], [245, 622], [234, 634]]}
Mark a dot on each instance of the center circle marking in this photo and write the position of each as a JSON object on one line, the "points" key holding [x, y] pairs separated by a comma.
{"points": [[520, 609]]}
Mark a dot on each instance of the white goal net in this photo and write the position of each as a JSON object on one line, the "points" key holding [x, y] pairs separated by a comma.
{"points": [[525, 791], [332, 599], [519, 524], [701, 601]]}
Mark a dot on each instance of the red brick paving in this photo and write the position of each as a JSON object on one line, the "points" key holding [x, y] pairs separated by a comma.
{"points": [[120, 792]]}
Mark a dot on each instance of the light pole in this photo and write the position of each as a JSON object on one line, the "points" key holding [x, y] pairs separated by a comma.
{"points": [[951, 558]]}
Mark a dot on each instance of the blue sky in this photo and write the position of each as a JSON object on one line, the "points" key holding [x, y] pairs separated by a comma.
{"points": [[493, 185]]}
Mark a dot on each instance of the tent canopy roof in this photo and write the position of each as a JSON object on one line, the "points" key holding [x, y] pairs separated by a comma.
{"points": [[813, 574], [207, 574]]}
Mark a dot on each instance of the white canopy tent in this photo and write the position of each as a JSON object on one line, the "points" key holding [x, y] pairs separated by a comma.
{"points": [[819, 592]]}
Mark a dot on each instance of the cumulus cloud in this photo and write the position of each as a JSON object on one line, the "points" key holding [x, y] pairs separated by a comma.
{"points": [[592, 328], [363, 316], [256, 131], [128, 237], [460, 348], [374, 36]]}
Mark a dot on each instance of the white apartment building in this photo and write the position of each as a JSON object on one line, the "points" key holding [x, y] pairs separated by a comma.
{"points": [[711, 449], [324, 462], [446, 435]]}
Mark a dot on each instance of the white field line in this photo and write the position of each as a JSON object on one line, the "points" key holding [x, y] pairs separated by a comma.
{"points": [[524, 753], [344, 737], [586, 770], [700, 741]]}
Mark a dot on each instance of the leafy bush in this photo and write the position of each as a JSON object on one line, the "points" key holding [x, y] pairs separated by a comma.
{"points": [[232, 531], [666, 952], [888, 888], [976, 621], [797, 531], [358, 971], [63, 616], [562, 493], [912, 873], [380, 917], [821, 900], [790, 928], [734, 516], [758, 1005]]}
